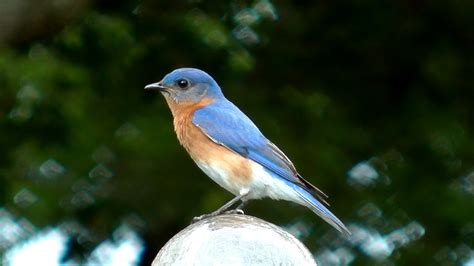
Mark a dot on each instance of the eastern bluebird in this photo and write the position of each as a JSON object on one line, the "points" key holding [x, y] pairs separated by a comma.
{"points": [[230, 149]]}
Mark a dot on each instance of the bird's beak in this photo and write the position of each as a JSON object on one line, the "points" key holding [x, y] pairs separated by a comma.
{"points": [[156, 86]]}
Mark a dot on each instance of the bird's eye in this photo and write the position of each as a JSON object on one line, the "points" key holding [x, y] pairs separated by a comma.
{"points": [[182, 83]]}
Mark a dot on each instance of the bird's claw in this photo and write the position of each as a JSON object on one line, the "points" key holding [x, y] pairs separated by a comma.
{"points": [[205, 216], [235, 211], [200, 217]]}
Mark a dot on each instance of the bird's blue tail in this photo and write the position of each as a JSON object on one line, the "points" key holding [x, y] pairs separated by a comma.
{"points": [[321, 210]]}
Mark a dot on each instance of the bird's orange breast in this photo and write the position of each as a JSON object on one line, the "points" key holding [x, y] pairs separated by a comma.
{"points": [[201, 148]]}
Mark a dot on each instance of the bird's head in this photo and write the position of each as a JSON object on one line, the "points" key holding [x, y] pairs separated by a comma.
{"points": [[187, 85]]}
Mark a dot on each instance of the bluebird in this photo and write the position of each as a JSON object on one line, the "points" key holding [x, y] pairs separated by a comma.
{"points": [[227, 146]]}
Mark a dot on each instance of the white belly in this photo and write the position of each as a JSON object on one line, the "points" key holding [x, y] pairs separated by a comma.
{"points": [[261, 183], [221, 177]]}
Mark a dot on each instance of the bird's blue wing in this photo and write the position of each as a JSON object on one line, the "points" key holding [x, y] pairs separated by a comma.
{"points": [[225, 124]]}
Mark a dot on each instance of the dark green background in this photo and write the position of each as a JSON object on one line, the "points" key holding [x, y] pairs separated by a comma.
{"points": [[331, 83]]}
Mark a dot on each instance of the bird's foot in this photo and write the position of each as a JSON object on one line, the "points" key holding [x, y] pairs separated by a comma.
{"points": [[235, 211], [212, 214], [201, 217]]}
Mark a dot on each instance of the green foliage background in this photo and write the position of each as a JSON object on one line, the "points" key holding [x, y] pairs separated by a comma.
{"points": [[331, 83]]}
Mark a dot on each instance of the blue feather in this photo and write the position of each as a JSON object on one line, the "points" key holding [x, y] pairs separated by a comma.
{"points": [[321, 210], [226, 125]]}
